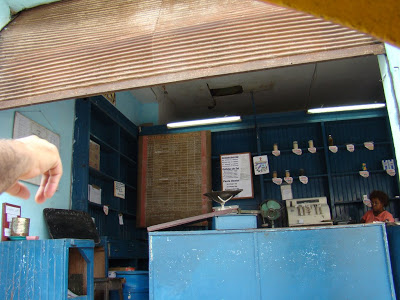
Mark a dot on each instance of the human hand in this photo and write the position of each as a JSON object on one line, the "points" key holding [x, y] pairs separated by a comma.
{"points": [[40, 157]]}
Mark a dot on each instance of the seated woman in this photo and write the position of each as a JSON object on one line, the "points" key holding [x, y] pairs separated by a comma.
{"points": [[379, 200]]}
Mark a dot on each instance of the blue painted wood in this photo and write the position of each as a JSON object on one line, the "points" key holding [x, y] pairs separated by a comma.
{"points": [[80, 155], [115, 114], [241, 221], [393, 235], [332, 175], [328, 170], [309, 263], [39, 269], [261, 177], [99, 120]]}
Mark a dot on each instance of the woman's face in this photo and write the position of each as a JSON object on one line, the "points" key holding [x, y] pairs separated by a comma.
{"points": [[376, 205]]}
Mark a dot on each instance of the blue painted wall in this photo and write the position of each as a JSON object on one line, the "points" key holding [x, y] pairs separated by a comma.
{"points": [[333, 176], [58, 117], [5, 14], [6, 6], [137, 112]]}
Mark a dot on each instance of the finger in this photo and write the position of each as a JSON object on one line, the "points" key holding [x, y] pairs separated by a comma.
{"points": [[40, 195], [19, 190], [53, 181]]}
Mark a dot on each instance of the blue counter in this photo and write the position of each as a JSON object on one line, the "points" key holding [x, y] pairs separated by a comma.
{"points": [[333, 262], [41, 269]]}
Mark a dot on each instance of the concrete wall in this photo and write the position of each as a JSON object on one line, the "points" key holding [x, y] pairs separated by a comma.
{"points": [[59, 118], [136, 111]]}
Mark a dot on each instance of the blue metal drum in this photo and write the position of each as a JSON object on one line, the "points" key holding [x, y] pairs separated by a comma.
{"points": [[136, 286]]}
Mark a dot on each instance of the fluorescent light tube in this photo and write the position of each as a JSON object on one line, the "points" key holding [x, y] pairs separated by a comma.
{"points": [[345, 108], [204, 122]]}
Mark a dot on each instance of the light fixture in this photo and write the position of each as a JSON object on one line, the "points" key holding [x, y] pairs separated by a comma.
{"points": [[204, 122], [345, 108]]}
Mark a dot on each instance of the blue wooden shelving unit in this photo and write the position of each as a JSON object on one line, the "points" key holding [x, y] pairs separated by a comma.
{"points": [[99, 121]]}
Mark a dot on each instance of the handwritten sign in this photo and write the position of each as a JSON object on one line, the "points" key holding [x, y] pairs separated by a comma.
{"points": [[9, 211], [119, 189], [261, 165], [236, 174]]}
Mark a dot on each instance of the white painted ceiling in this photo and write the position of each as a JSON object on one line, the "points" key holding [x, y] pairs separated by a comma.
{"points": [[340, 82]]}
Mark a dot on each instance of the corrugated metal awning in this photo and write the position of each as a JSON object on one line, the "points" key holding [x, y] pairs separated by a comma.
{"points": [[76, 48]]}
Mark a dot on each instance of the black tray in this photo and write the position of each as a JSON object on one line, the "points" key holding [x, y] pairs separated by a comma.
{"points": [[70, 224]]}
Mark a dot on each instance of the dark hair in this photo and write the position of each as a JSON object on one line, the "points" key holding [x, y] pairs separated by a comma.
{"points": [[381, 196]]}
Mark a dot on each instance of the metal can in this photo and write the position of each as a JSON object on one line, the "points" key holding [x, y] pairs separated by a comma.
{"points": [[20, 226], [295, 145], [275, 147], [364, 166], [310, 144]]}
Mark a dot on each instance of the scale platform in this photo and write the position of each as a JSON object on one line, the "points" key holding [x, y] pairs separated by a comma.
{"points": [[237, 221]]}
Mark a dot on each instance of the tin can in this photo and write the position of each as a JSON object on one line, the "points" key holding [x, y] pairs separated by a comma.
{"points": [[364, 166], [330, 140], [275, 147], [295, 145], [310, 144], [20, 226]]}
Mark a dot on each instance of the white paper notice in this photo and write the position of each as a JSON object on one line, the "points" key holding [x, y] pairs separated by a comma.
{"points": [[277, 181], [261, 165], [286, 191], [350, 147], [333, 149], [236, 174], [7, 231], [105, 209], [369, 145], [10, 217], [94, 194], [121, 219], [119, 189], [13, 210]]}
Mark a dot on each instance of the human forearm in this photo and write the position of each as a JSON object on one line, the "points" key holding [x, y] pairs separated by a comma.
{"points": [[27, 158], [13, 162]]}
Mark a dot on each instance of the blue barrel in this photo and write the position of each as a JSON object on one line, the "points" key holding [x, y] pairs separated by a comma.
{"points": [[136, 286]]}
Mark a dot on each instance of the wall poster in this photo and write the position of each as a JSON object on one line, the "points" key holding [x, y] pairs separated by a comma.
{"points": [[24, 126], [236, 174]]}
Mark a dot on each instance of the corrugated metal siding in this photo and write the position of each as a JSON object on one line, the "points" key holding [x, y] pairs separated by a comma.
{"points": [[83, 47]]}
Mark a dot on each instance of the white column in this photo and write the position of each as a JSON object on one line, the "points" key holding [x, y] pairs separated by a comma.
{"points": [[389, 65]]}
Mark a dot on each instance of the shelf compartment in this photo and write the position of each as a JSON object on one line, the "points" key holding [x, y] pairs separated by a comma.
{"points": [[104, 145], [101, 175], [103, 127], [110, 208], [128, 145], [128, 172]]}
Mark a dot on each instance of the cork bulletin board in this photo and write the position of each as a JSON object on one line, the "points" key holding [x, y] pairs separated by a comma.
{"points": [[174, 173]]}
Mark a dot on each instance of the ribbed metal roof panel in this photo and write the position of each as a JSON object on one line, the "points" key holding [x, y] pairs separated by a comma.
{"points": [[76, 48]]}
